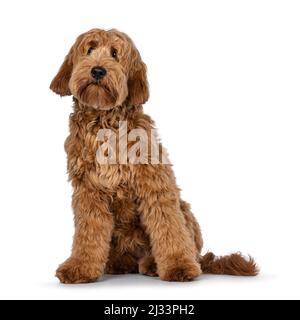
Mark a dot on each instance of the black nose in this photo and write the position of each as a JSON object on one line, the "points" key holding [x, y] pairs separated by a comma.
{"points": [[98, 73]]}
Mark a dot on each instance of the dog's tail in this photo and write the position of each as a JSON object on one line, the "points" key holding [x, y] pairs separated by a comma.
{"points": [[234, 264]]}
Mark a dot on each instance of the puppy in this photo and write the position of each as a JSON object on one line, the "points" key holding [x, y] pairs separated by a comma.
{"points": [[129, 217]]}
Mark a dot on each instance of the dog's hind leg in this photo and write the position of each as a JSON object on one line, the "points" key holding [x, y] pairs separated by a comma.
{"points": [[129, 241], [192, 225], [121, 264]]}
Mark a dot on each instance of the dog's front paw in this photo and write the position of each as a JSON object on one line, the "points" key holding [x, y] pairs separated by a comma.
{"points": [[180, 270], [76, 271]]}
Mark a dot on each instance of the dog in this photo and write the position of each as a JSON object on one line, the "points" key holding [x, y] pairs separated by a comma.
{"points": [[129, 217]]}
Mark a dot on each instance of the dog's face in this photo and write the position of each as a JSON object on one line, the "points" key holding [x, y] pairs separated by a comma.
{"points": [[103, 70]]}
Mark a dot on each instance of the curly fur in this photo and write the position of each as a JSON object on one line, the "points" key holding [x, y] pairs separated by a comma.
{"points": [[128, 218]]}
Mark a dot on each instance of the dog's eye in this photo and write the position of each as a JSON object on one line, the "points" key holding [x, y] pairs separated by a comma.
{"points": [[90, 50], [114, 53]]}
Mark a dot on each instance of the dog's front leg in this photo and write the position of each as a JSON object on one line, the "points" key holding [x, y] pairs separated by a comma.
{"points": [[173, 248], [93, 230]]}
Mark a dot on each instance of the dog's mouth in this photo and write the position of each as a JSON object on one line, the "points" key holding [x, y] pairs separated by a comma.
{"points": [[97, 94], [103, 94]]}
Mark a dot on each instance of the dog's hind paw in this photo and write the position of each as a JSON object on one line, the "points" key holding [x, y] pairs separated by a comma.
{"points": [[147, 266]]}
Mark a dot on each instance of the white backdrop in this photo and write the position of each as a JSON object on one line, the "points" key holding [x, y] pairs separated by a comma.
{"points": [[225, 79]]}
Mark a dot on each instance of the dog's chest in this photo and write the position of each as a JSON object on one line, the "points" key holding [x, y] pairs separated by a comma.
{"points": [[83, 147]]}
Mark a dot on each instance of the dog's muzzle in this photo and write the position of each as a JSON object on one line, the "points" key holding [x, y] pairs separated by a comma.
{"points": [[98, 72]]}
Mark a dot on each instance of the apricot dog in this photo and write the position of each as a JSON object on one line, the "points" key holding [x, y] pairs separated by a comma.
{"points": [[129, 218]]}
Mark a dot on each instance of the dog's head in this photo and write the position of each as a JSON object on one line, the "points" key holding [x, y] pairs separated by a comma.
{"points": [[103, 69]]}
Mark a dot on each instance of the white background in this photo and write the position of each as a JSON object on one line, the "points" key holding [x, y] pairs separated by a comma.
{"points": [[225, 79]]}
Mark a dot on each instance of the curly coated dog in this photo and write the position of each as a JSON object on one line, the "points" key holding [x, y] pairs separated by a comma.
{"points": [[129, 217]]}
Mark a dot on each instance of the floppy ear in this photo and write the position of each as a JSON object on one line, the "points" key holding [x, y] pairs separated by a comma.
{"points": [[138, 89], [60, 84]]}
